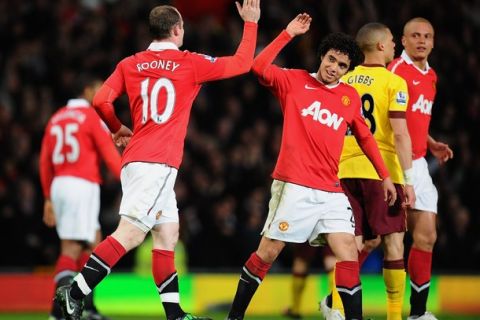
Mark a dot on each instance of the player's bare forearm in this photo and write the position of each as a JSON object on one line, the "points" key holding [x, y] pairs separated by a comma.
{"points": [[403, 146], [403, 143]]}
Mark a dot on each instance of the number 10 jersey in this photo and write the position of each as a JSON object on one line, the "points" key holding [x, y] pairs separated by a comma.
{"points": [[161, 84]]}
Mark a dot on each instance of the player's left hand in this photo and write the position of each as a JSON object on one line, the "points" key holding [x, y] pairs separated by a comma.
{"points": [[48, 214], [441, 151], [389, 191], [299, 25]]}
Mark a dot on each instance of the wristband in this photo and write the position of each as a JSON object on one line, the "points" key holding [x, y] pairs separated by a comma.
{"points": [[408, 176]]}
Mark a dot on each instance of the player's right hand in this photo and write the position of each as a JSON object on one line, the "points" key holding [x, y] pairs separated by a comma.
{"points": [[299, 25], [409, 196], [122, 136], [48, 214], [389, 191], [249, 11]]}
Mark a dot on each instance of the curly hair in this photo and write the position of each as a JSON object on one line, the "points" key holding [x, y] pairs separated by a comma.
{"points": [[343, 43]]}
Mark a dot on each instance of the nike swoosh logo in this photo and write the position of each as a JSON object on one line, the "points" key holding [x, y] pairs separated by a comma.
{"points": [[69, 309], [310, 88], [416, 82], [87, 267]]}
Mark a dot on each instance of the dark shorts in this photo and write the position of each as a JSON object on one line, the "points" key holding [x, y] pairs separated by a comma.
{"points": [[372, 214]]}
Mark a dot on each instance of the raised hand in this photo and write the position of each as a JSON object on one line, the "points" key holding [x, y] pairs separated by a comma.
{"points": [[249, 11], [299, 25]]}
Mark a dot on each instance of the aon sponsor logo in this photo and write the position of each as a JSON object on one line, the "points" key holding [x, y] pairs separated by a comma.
{"points": [[423, 105], [322, 115]]}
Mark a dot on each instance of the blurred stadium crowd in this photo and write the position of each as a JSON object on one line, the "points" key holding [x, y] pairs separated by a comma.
{"points": [[235, 129]]}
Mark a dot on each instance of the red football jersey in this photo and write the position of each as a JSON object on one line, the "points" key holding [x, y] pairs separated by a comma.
{"points": [[316, 118], [161, 84], [421, 92], [74, 142]]}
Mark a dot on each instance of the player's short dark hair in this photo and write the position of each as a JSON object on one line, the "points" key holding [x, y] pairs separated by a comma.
{"points": [[343, 43], [368, 35], [161, 21]]}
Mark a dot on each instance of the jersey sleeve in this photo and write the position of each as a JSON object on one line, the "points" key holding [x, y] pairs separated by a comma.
{"points": [[398, 94], [367, 143], [207, 68], [116, 80], [105, 146], [103, 100], [269, 74], [45, 164]]}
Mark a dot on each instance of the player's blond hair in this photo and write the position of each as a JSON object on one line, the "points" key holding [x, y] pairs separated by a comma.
{"points": [[370, 35]]}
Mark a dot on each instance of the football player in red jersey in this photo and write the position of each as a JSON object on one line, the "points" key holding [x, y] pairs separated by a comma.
{"points": [[412, 65], [75, 141], [161, 84], [307, 202]]}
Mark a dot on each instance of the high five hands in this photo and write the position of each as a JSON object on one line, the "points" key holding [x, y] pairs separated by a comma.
{"points": [[249, 11], [299, 25]]}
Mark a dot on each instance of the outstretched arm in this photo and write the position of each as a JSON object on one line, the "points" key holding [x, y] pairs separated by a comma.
{"points": [[241, 62], [298, 26]]}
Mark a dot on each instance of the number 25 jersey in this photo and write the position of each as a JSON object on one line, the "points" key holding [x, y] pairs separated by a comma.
{"points": [[74, 142]]}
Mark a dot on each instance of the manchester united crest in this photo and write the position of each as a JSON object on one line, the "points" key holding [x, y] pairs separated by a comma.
{"points": [[283, 226], [346, 101]]}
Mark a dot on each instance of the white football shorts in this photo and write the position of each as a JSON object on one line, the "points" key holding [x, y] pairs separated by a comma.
{"points": [[148, 196], [76, 203], [297, 214], [425, 191]]}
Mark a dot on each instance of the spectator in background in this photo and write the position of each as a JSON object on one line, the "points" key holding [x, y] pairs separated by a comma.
{"points": [[75, 141]]}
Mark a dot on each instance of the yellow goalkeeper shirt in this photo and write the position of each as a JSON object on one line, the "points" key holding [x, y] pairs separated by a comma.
{"points": [[384, 95]]}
